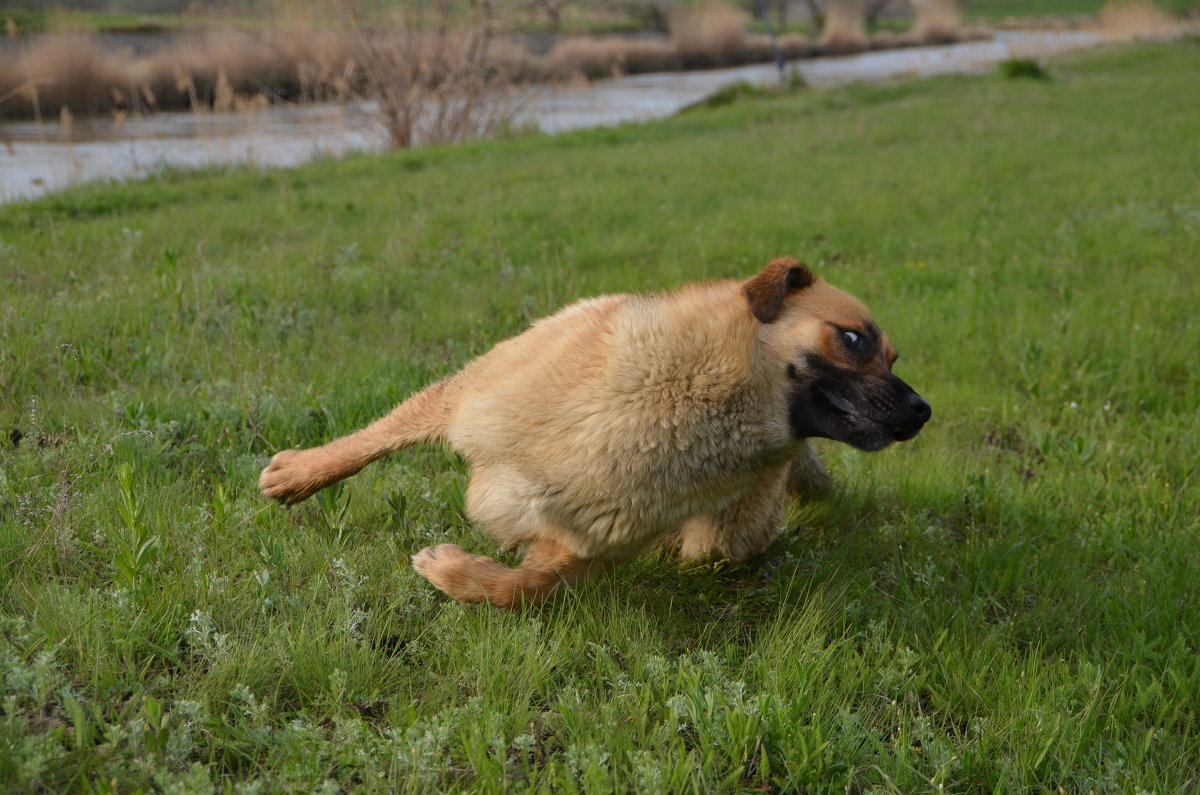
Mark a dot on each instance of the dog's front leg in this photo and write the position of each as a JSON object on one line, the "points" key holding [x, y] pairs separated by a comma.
{"points": [[808, 476], [741, 531]]}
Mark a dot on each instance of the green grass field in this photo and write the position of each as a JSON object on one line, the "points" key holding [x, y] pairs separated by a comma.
{"points": [[1008, 603], [1045, 8]]}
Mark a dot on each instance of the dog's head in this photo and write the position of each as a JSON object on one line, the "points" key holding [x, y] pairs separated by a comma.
{"points": [[836, 363]]}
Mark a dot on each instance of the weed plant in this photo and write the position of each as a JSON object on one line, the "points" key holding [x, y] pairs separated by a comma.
{"points": [[1007, 603], [1028, 68]]}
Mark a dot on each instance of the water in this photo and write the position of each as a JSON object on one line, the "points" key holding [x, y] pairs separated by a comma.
{"points": [[36, 159]]}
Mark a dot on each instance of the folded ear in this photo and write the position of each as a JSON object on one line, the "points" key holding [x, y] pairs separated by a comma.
{"points": [[766, 291]]}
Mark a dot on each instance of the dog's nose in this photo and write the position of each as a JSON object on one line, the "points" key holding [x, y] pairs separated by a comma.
{"points": [[920, 407]]}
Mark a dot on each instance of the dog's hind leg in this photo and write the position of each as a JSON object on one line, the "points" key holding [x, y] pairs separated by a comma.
{"points": [[743, 530], [547, 566], [295, 475]]}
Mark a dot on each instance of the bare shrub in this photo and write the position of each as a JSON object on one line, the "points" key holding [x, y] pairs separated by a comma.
{"points": [[1137, 19], [709, 32], [845, 27], [936, 21], [430, 73]]}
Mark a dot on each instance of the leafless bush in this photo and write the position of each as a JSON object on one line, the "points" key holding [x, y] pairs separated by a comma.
{"points": [[431, 73]]}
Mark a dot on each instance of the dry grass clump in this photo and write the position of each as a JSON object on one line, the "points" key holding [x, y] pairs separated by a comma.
{"points": [[936, 21], [706, 33], [609, 56], [1137, 19], [200, 69], [793, 46], [67, 70], [227, 69], [845, 28]]}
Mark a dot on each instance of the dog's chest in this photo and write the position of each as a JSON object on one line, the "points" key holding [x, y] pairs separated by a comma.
{"points": [[639, 483]]}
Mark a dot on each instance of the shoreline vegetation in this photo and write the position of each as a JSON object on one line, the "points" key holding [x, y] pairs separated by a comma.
{"points": [[226, 67], [407, 58]]}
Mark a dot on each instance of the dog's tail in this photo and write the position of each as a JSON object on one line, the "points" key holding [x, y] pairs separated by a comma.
{"points": [[295, 475]]}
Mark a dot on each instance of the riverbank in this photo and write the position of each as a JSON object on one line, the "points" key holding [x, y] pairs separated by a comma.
{"points": [[47, 75], [40, 158], [406, 58]]}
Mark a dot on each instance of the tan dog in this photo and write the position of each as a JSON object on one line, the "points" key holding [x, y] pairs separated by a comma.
{"points": [[625, 419]]}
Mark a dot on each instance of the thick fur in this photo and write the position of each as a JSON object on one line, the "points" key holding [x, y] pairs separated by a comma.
{"points": [[613, 424]]}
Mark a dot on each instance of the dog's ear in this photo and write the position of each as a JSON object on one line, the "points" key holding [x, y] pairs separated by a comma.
{"points": [[766, 291]]}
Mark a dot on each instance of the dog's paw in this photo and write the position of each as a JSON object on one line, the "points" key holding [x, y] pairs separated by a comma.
{"points": [[445, 566], [292, 476], [431, 561]]}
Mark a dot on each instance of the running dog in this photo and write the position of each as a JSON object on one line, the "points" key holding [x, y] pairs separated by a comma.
{"points": [[625, 420]]}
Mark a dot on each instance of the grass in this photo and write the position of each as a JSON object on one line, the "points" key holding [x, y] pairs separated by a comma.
{"points": [[1007, 603], [1029, 68], [75, 20], [994, 9]]}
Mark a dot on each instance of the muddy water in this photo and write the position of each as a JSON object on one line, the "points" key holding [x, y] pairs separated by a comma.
{"points": [[38, 158]]}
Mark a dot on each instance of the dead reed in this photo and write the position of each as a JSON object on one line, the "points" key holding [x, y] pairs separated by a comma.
{"points": [[1138, 19], [609, 56], [197, 69], [402, 54], [845, 29], [936, 21], [707, 34]]}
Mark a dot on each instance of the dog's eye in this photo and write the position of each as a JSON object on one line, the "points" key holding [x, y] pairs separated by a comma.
{"points": [[852, 339]]}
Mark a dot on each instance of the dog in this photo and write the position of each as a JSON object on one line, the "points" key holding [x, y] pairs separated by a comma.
{"points": [[625, 420]]}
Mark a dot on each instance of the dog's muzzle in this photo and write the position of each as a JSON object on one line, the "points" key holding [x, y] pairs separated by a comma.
{"points": [[913, 420]]}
